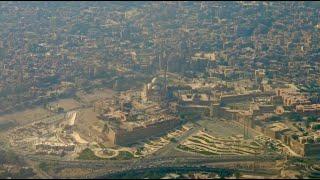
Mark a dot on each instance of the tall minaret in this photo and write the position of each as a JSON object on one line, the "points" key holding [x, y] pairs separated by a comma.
{"points": [[164, 91], [162, 55], [165, 74], [53, 27], [20, 72], [10, 40], [1, 42]]}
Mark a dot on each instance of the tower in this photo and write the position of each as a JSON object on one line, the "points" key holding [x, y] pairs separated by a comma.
{"points": [[1, 57], [115, 85], [10, 40], [162, 55], [91, 72], [53, 27], [164, 91], [245, 128], [20, 73], [202, 6], [1, 42]]}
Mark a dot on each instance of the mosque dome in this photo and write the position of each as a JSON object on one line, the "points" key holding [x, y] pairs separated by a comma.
{"points": [[157, 81], [156, 88]]}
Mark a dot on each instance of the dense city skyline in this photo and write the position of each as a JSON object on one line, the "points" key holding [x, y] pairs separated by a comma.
{"points": [[192, 89]]}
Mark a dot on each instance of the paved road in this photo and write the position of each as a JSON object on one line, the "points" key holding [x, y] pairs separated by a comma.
{"points": [[185, 161], [224, 168], [41, 174], [167, 149], [113, 166]]}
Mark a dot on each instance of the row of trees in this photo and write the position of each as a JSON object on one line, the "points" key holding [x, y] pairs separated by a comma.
{"points": [[9, 157]]}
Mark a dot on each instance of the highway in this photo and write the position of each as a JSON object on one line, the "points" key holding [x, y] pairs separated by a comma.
{"points": [[167, 149], [115, 166], [183, 162], [227, 170], [168, 169]]}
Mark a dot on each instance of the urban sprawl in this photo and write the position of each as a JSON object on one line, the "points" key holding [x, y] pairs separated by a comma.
{"points": [[96, 89]]}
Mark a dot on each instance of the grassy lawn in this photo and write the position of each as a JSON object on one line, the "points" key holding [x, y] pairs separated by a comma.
{"points": [[195, 141], [241, 105], [44, 166], [88, 154], [124, 155], [207, 153], [202, 138], [254, 144], [185, 148]]}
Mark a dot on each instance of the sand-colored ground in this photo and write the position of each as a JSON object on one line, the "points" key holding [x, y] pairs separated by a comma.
{"points": [[67, 104], [71, 117], [26, 116], [96, 95], [88, 125], [74, 172], [77, 137]]}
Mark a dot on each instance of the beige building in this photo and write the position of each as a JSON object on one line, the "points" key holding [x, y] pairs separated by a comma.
{"points": [[124, 137]]}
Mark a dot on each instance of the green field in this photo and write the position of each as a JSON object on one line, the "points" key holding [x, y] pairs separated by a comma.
{"points": [[88, 154]]}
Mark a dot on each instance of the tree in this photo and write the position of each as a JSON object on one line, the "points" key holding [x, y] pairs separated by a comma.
{"points": [[312, 118], [174, 140], [12, 157], [309, 140], [44, 166], [223, 173], [60, 110], [222, 104], [295, 136], [5, 175], [316, 127], [275, 118], [25, 172], [3, 52], [237, 174], [295, 116]]}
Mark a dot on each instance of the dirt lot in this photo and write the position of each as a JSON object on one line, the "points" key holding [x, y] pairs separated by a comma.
{"points": [[74, 172], [88, 125], [67, 104], [26, 116], [96, 95]]}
